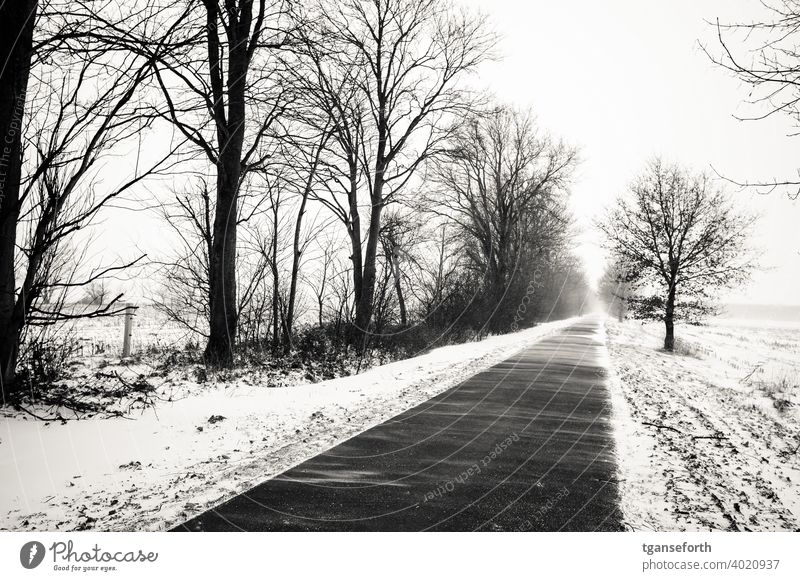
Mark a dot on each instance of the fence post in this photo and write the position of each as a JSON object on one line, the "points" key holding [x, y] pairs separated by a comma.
{"points": [[126, 337]]}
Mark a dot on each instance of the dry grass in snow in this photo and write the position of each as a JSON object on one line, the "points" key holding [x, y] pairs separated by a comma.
{"points": [[708, 437]]}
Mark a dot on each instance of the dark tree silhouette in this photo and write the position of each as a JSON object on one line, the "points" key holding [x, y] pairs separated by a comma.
{"points": [[503, 183], [387, 73], [16, 49], [217, 76], [683, 237], [82, 108]]}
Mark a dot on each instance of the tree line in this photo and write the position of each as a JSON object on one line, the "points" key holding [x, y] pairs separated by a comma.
{"points": [[317, 165]]}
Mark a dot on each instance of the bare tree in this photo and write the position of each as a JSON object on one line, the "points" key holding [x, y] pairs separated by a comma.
{"points": [[184, 296], [97, 293], [398, 234], [681, 236], [185, 275], [216, 72], [503, 185], [82, 111], [440, 273], [16, 50], [387, 72], [271, 250], [302, 151], [320, 281], [763, 54], [614, 288]]}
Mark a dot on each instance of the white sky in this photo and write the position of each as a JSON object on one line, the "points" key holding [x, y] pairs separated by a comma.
{"points": [[626, 80]]}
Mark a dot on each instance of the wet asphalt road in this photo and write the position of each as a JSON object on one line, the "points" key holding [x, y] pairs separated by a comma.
{"points": [[524, 445]]}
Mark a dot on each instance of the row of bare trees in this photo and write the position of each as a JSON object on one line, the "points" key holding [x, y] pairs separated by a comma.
{"points": [[503, 184], [316, 162], [336, 103]]}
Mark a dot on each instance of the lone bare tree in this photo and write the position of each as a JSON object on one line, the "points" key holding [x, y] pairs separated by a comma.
{"points": [[683, 237]]}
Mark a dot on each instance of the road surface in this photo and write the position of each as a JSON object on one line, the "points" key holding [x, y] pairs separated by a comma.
{"points": [[524, 445]]}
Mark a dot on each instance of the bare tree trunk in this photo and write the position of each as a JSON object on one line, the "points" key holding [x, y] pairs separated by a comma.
{"points": [[296, 250], [296, 255], [354, 230], [319, 291], [222, 299], [17, 38], [365, 302], [288, 327], [438, 292], [398, 288], [669, 337], [380, 305], [230, 138], [321, 302], [392, 263], [275, 278], [669, 320]]}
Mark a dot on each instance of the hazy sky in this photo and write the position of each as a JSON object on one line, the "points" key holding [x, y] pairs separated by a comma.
{"points": [[626, 80]]}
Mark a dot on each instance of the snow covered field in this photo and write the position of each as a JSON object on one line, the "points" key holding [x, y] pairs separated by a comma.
{"points": [[708, 437], [173, 461]]}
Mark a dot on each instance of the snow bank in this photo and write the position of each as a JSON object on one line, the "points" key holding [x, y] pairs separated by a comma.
{"points": [[174, 461]]}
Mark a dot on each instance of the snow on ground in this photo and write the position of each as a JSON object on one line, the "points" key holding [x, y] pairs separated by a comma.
{"points": [[708, 436], [176, 460], [152, 331]]}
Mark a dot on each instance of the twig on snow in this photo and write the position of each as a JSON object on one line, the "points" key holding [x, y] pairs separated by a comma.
{"points": [[662, 427], [716, 436]]}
